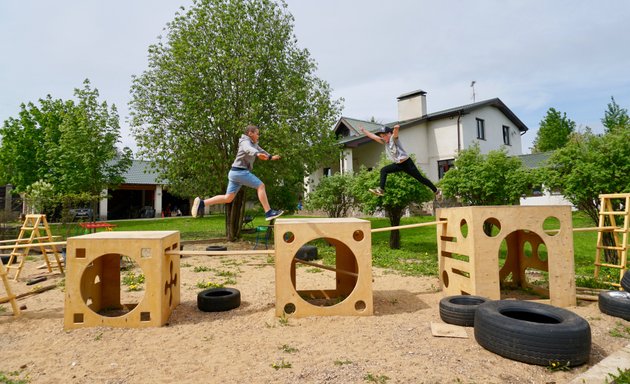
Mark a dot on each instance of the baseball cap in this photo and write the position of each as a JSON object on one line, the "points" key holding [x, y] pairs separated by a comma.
{"points": [[384, 130]]}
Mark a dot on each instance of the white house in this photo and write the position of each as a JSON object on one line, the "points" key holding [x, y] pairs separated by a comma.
{"points": [[434, 138]]}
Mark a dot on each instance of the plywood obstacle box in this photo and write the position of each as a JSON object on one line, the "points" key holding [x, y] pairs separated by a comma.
{"points": [[93, 279], [470, 240], [352, 294]]}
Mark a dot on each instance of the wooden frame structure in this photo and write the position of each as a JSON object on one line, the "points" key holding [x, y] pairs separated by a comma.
{"points": [[352, 240], [93, 278], [469, 258], [612, 207], [30, 237]]}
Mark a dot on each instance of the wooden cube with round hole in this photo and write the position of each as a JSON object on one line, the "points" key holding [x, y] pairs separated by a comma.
{"points": [[533, 241], [350, 293], [95, 289]]}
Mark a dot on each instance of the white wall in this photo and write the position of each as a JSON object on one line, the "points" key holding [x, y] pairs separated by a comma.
{"points": [[494, 122]]}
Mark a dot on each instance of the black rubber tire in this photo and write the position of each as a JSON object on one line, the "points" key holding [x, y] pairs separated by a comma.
{"points": [[625, 281], [5, 259], [615, 303], [216, 248], [218, 299], [307, 253], [460, 309], [533, 333]]}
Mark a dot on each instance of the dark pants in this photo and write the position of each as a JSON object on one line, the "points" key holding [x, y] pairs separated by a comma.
{"points": [[409, 168]]}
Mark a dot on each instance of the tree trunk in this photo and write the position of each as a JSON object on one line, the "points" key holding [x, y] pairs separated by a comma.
{"points": [[394, 236], [234, 212]]}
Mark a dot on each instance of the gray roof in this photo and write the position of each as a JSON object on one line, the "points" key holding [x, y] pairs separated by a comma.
{"points": [[356, 138], [141, 172]]}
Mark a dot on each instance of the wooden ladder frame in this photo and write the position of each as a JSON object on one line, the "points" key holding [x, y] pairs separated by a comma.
{"points": [[32, 224], [10, 296], [619, 233]]}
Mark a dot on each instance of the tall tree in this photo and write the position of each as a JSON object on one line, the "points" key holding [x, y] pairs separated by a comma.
{"points": [[615, 117], [71, 145], [333, 195], [225, 64], [554, 131], [590, 165], [402, 191]]}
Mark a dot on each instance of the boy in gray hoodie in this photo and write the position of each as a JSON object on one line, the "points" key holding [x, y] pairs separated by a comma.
{"points": [[240, 174]]}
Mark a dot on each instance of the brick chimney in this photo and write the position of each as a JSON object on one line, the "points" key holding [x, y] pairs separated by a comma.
{"points": [[412, 105]]}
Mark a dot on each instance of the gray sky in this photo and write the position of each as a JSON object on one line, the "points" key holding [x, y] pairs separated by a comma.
{"points": [[572, 55]]}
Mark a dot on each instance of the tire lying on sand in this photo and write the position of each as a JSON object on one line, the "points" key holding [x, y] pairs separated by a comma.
{"points": [[307, 253], [615, 303], [533, 333], [218, 299], [216, 248], [625, 281], [460, 309]]}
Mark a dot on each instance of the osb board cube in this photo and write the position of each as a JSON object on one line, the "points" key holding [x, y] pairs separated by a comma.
{"points": [[352, 240], [93, 279], [469, 258]]}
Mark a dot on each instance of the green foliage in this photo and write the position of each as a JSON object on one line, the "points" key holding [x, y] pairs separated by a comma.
{"points": [[332, 195], [40, 196], [69, 144], [615, 117], [12, 378], [133, 282], [221, 66], [590, 165], [621, 377], [554, 131], [492, 179]]}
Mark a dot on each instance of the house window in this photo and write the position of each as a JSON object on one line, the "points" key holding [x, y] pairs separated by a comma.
{"points": [[481, 129], [327, 172], [506, 135], [444, 165]]}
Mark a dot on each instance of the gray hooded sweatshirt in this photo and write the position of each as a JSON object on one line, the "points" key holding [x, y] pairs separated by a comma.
{"points": [[247, 151]]}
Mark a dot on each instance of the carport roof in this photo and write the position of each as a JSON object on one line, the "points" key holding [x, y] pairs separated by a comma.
{"points": [[141, 172]]}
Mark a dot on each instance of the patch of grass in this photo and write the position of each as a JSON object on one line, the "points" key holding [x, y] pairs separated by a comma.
{"points": [[227, 273], [620, 330], [283, 320], [592, 282], [209, 284], [342, 362], [281, 365], [555, 366], [622, 377], [133, 282], [2, 309], [201, 268], [313, 270], [371, 378], [288, 349], [12, 378]]}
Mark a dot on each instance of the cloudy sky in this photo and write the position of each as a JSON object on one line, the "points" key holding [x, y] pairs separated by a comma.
{"points": [[572, 55]]}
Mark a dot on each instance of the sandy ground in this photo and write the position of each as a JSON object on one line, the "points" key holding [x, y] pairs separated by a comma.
{"points": [[251, 345]]}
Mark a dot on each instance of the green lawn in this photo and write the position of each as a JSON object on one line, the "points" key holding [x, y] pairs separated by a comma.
{"points": [[417, 256]]}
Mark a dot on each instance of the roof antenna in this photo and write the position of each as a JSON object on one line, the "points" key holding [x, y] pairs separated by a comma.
{"points": [[472, 85]]}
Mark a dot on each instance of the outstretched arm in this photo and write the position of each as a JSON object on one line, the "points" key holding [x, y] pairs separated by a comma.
{"points": [[266, 156], [371, 135]]}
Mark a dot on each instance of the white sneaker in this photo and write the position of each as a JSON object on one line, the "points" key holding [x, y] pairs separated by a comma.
{"points": [[377, 191], [195, 207]]}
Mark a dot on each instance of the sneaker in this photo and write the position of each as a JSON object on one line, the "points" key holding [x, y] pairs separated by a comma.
{"points": [[438, 194], [272, 214], [197, 207], [377, 191]]}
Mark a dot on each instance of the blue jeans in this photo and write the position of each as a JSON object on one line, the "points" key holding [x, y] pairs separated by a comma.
{"points": [[238, 178]]}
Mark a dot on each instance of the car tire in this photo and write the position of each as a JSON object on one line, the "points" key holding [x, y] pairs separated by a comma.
{"points": [[460, 309], [216, 248], [625, 281], [533, 333], [218, 299], [615, 303], [307, 253]]}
